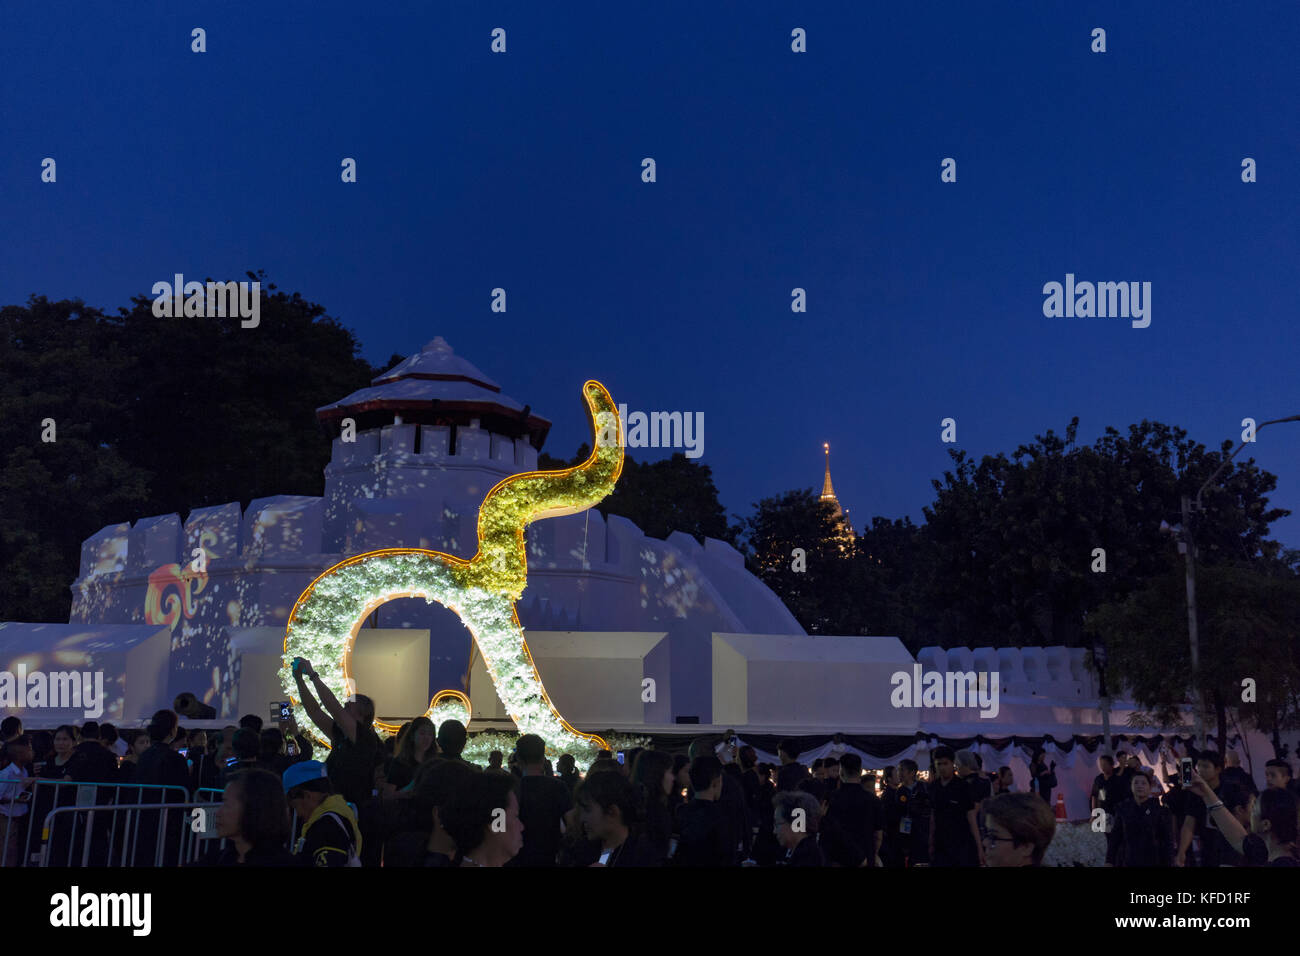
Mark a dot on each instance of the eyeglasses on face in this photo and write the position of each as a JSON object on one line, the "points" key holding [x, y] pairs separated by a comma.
{"points": [[993, 839]]}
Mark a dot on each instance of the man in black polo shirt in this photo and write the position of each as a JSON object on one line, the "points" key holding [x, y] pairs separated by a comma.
{"points": [[857, 811], [707, 837], [731, 803], [543, 802], [954, 832], [906, 820], [1214, 849], [1107, 794], [792, 772]]}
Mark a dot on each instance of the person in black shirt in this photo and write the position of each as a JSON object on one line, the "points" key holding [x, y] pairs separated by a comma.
{"points": [[750, 781], [1107, 795], [907, 820], [731, 803], [1175, 800], [1126, 766], [247, 750], [705, 834], [1199, 821], [652, 775], [271, 755], [857, 811], [254, 817], [451, 740], [419, 837], [791, 772], [1234, 776], [1005, 781], [202, 764], [1277, 774], [609, 815], [954, 831], [1273, 822], [1142, 829], [796, 820], [968, 768], [543, 802], [766, 851], [568, 772], [354, 745], [1042, 777], [417, 745], [831, 773], [92, 762], [160, 764]]}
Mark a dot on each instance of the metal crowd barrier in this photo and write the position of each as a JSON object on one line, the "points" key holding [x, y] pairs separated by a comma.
{"points": [[9, 821], [123, 853], [89, 798], [179, 836]]}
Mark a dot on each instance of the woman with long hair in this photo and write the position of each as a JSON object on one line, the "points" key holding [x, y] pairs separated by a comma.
{"points": [[415, 745], [254, 817], [653, 775]]}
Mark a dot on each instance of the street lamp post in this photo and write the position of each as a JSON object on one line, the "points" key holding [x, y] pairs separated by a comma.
{"points": [[1187, 547]]}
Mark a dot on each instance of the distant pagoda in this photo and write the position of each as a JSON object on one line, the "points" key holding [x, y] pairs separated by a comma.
{"points": [[828, 496]]}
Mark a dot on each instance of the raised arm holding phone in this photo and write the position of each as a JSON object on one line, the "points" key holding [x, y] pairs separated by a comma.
{"points": [[1272, 840], [337, 713], [354, 746]]}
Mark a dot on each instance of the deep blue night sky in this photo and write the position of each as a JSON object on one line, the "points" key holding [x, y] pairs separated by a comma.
{"points": [[775, 170]]}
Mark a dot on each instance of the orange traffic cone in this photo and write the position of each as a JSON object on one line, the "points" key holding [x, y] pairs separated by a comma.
{"points": [[1060, 806]]}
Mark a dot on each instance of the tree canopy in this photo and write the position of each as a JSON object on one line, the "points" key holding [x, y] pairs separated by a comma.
{"points": [[151, 416]]}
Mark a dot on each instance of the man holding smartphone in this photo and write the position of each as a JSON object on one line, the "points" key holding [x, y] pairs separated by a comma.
{"points": [[354, 745], [1214, 849]]}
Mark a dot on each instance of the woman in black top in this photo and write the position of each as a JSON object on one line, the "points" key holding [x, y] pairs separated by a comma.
{"points": [[416, 745], [58, 766], [254, 817], [1142, 829], [653, 775]]}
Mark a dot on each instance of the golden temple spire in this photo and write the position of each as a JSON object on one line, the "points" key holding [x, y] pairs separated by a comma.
{"points": [[828, 493]]}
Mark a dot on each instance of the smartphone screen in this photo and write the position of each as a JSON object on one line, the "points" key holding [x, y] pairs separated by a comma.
{"points": [[620, 756], [1187, 771]]}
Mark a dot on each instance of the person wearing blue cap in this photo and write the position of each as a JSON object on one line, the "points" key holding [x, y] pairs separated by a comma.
{"points": [[330, 836]]}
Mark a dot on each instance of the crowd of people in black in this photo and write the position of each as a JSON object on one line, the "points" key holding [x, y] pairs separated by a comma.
{"points": [[1219, 819], [414, 801]]}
